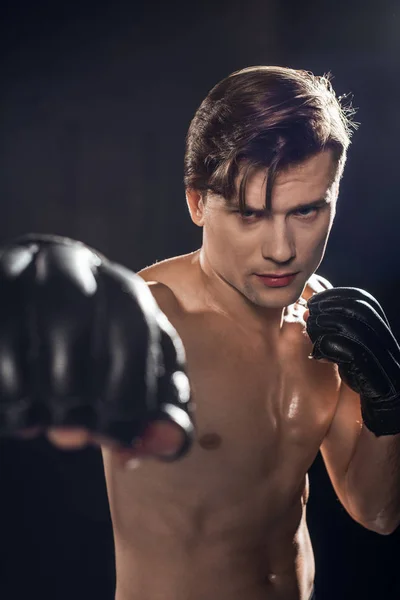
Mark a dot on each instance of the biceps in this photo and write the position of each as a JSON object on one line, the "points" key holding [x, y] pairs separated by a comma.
{"points": [[339, 444]]}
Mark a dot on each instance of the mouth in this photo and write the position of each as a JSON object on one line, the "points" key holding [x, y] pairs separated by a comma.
{"points": [[276, 279]]}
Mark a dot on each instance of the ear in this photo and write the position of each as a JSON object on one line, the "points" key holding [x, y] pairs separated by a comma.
{"points": [[195, 204]]}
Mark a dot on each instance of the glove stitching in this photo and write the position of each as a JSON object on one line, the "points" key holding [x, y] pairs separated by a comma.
{"points": [[370, 352], [357, 297], [357, 318]]}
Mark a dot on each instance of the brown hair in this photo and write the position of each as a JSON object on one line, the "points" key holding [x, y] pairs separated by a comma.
{"points": [[270, 117]]}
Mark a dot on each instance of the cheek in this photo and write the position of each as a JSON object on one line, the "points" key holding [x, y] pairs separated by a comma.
{"points": [[217, 233], [225, 233], [311, 241]]}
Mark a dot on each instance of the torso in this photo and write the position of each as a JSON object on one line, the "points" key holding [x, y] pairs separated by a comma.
{"points": [[227, 522]]}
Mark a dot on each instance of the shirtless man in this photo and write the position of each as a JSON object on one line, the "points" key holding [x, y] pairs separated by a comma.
{"points": [[265, 154]]}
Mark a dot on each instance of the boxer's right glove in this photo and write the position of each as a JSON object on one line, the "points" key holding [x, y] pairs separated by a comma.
{"points": [[83, 343]]}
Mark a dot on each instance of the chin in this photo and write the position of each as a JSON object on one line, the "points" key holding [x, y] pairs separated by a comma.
{"points": [[275, 298], [274, 304]]}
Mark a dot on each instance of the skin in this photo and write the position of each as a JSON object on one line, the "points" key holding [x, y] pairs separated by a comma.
{"points": [[229, 519]]}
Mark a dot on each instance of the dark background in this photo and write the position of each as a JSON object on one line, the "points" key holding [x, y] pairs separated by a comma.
{"points": [[95, 103]]}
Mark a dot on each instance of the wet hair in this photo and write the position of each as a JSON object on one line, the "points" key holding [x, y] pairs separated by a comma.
{"points": [[263, 117]]}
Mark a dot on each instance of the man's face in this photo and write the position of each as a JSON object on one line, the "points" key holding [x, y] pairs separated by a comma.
{"points": [[241, 249]]}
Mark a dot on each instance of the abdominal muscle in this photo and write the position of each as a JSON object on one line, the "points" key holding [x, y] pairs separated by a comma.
{"points": [[170, 549]]}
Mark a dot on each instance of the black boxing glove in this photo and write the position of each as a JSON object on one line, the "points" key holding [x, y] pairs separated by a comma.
{"points": [[348, 326], [83, 342]]}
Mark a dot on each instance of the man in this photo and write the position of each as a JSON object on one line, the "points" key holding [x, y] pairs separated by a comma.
{"points": [[265, 155]]}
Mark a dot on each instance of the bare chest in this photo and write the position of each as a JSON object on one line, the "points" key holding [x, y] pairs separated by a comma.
{"points": [[260, 417], [258, 410]]}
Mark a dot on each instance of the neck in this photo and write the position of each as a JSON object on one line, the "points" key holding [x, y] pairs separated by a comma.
{"points": [[224, 298]]}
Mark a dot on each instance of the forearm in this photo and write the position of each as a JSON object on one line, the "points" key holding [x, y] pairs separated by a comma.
{"points": [[373, 481]]}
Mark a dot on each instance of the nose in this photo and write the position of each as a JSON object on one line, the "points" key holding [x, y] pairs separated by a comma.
{"points": [[278, 243]]}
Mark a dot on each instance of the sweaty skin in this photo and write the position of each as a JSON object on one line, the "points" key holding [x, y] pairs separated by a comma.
{"points": [[228, 521]]}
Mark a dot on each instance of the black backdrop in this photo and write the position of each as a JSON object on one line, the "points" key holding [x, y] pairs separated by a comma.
{"points": [[95, 103]]}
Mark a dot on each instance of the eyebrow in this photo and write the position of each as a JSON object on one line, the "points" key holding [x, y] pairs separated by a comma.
{"points": [[314, 204]]}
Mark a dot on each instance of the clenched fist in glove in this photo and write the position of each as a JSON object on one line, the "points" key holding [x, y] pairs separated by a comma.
{"points": [[83, 344], [347, 326]]}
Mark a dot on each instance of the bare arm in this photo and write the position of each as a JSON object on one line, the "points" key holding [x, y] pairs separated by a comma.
{"points": [[364, 469]]}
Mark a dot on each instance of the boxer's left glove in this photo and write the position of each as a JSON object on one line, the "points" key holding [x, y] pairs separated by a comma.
{"points": [[348, 326], [83, 343]]}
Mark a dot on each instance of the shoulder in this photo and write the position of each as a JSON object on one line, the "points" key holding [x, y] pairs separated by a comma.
{"points": [[165, 279], [165, 298], [156, 279], [315, 285], [169, 270]]}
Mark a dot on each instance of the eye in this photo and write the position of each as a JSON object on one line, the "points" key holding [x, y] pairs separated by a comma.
{"points": [[307, 212], [248, 215]]}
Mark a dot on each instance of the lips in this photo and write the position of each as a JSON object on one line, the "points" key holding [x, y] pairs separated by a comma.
{"points": [[275, 280], [276, 275]]}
